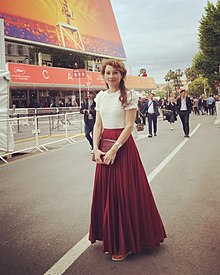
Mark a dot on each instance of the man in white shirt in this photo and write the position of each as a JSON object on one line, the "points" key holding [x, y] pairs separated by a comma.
{"points": [[88, 109], [184, 107], [151, 111]]}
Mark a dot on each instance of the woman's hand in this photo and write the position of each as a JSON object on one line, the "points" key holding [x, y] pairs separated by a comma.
{"points": [[109, 157], [98, 156]]}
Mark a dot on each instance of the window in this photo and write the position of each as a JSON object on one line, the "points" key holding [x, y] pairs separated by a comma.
{"points": [[20, 50], [9, 50]]}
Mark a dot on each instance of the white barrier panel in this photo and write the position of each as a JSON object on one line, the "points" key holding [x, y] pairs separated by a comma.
{"points": [[42, 131], [6, 136], [217, 121]]}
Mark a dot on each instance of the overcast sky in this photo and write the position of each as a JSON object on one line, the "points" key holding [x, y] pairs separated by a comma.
{"points": [[159, 35]]}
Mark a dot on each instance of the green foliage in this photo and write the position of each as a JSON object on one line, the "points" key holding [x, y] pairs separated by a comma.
{"points": [[174, 77], [160, 93], [208, 60], [199, 87], [191, 74]]}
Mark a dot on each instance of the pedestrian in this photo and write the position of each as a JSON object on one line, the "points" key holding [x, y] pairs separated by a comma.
{"points": [[211, 105], [69, 103], [200, 105], [88, 109], [52, 104], [152, 112], [141, 108], [171, 112], [184, 107], [204, 104], [196, 106], [60, 103], [124, 215]]}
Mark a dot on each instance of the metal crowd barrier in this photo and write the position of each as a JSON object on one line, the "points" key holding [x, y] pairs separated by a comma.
{"points": [[217, 121], [38, 131]]}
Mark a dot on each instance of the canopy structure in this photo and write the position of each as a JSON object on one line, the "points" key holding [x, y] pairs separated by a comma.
{"points": [[40, 77], [6, 137]]}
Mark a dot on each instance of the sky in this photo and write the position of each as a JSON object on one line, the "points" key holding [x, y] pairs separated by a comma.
{"points": [[159, 35]]}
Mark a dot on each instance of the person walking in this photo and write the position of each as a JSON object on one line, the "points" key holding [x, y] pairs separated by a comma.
{"points": [[88, 109], [184, 107], [196, 106], [211, 105], [200, 105], [171, 112], [124, 215], [152, 112]]}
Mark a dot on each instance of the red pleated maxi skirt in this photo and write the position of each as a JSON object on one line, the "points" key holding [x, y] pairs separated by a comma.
{"points": [[124, 214]]}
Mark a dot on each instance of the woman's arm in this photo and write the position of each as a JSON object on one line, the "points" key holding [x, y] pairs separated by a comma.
{"points": [[129, 124], [97, 132]]}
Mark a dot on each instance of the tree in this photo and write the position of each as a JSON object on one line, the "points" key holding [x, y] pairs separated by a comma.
{"points": [[199, 86], [174, 77], [191, 74], [208, 59]]}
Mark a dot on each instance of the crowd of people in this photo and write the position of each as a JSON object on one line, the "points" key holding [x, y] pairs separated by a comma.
{"points": [[150, 107], [171, 107], [60, 104]]}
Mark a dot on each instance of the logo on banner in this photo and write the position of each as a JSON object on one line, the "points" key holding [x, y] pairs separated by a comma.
{"points": [[45, 74], [76, 73], [19, 70]]}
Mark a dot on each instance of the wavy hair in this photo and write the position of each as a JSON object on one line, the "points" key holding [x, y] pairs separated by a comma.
{"points": [[119, 66]]}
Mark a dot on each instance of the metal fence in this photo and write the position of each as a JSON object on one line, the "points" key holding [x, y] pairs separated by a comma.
{"points": [[36, 129], [217, 121]]}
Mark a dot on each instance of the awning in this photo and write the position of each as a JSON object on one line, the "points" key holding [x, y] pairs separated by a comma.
{"points": [[25, 76]]}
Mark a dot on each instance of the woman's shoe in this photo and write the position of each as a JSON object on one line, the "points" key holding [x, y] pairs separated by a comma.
{"points": [[118, 257]]}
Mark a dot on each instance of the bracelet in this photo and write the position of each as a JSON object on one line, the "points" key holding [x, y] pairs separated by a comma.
{"points": [[118, 145]]}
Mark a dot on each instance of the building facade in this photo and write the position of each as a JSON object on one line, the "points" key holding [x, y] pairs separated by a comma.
{"points": [[45, 43]]}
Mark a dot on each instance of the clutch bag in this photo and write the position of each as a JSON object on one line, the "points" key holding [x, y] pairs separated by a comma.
{"points": [[140, 127], [105, 145]]}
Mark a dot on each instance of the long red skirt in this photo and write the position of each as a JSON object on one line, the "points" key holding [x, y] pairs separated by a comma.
{"points": [[124, 214]]}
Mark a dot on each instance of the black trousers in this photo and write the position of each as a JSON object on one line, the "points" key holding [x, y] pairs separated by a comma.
{"points": [[211, 109], [184, 116], [152, 119], [89, 125]]}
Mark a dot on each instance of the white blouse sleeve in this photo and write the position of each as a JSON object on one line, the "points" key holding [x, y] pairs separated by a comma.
{"points": [[132, 99], [97, 100]]}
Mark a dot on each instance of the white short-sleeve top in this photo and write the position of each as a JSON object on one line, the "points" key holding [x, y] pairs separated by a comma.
{"points": [[111, 110]]}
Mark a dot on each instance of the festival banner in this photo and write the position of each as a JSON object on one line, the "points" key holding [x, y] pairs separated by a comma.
{"points": [[87, 26], [31, 75]]}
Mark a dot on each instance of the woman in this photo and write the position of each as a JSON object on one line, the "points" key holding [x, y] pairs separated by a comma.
{"points": [[171, 112], [124, 215]]}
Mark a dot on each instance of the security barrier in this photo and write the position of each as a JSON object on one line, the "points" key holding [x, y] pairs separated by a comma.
{"points": [[217, 121], [37, 132]]}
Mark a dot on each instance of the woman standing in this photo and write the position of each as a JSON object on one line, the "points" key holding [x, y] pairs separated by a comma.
{"points": [[124, 215], [171, 112]]}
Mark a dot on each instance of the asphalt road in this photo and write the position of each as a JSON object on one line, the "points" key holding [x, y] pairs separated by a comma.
{"points": [[46, 197]]}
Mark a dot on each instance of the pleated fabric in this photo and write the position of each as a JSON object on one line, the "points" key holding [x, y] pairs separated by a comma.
{"points": [[124, 214]]}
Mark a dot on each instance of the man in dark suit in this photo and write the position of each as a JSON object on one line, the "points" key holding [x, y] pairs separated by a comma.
{"points": [[88, 109], [151, 110], [184, 107]]}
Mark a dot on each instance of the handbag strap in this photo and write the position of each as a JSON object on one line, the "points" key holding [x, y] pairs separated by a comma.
{"points": [[150, 104]]}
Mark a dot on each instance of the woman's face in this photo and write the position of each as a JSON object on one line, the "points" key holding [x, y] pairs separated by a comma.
{"points": [[112, 76]]}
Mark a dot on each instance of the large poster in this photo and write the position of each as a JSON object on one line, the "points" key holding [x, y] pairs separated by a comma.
{"points": [[87, 25]]}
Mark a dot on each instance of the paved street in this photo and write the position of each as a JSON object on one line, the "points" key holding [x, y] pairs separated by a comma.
{"points": [[46, 197]]}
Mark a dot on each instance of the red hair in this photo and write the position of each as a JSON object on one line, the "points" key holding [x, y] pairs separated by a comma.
{"points": [[119, 66]]}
